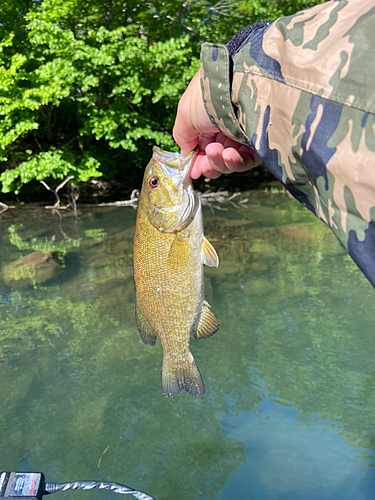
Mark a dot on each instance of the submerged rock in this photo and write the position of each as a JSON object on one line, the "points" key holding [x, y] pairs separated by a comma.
{"points": [[36, 267], [263, 248], [301, 231]]}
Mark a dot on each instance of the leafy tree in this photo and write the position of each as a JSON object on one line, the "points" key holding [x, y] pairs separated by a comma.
{"points": [[86, 88]]}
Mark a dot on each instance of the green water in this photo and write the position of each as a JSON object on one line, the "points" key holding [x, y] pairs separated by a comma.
{"points": [[289, 410]]}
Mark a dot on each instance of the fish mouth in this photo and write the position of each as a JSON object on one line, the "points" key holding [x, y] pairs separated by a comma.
{"points": [[174, 164], [191, 202], [178, 169], [186, 164]]}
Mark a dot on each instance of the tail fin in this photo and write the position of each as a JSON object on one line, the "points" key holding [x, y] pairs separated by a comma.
{"points": [[180, 378]]}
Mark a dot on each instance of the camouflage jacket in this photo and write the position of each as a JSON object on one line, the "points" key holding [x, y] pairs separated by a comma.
{"points": [[301, 92]]}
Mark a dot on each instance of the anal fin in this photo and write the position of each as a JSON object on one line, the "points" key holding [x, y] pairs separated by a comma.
{"points": [[208, 324], [145, 331]]}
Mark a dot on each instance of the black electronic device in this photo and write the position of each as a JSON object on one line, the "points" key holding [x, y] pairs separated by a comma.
{"points": [[32, 486]]}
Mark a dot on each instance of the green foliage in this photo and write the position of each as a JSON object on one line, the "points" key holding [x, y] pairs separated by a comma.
{"points": [[48, 165], [88, 87], [265, 9]]}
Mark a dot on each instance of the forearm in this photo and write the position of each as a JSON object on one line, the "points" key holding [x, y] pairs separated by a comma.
{"points": [[302, 95]]}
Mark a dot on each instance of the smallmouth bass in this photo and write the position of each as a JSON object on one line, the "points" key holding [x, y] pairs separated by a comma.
{"points": [[169, 253]]}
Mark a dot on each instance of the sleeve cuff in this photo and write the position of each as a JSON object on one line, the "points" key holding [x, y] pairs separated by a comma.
{"points": [[216, 91]]}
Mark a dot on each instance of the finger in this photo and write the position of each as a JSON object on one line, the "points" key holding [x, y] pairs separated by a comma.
{"points": [[206, 139], [194, 173], [202, 166], [214, 153], [250, 157], [233, 160], [239, 160], [227, 142], [247, 153]]}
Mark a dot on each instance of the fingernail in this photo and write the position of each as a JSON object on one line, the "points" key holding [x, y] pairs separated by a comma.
{"points": [[215, 159]]}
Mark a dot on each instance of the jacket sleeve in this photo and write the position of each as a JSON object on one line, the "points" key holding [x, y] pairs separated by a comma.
{"points": [[301, 93]]}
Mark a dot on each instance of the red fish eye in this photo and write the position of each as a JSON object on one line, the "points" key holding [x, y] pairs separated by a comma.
{"points": [[153, 182]]}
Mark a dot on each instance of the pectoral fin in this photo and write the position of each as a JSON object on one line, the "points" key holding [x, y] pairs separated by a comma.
{"points": [[208, 324], [145, 331], [209, 255]]}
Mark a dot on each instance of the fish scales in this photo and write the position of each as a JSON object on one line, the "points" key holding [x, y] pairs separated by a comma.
{"points": [[168, 270], [165, 284]]}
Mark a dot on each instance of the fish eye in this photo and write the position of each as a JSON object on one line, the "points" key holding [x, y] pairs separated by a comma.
{"points": [[153, 182]]}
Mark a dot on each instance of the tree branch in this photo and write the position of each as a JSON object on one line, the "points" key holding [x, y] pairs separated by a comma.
{"points": [[55, 191], [4, 207]]}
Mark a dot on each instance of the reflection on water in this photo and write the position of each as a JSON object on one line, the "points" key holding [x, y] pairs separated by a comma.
{"points": [[290, 376]]}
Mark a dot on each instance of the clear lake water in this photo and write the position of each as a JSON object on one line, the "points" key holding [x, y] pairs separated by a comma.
{"points": [[289, 410]]}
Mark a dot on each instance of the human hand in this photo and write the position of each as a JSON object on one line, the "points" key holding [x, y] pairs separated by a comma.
{"points": [[217, 153]]}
